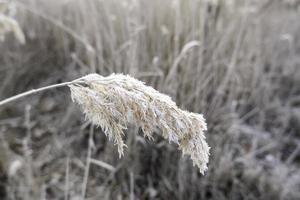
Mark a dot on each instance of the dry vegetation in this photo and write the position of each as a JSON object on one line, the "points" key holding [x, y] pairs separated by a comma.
{"points": [[237, 62]]}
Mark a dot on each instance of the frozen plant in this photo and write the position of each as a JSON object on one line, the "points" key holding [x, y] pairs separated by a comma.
{"points": [[117, 100]]}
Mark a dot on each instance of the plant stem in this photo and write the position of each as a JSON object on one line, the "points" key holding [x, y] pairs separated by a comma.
{"points": [[88, 163], [34, 91]]}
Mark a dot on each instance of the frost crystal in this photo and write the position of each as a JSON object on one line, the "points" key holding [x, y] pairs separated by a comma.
{"points": [[115, 101]]}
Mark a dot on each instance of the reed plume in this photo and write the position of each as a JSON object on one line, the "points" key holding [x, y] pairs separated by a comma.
{"points": [[115, 101]]}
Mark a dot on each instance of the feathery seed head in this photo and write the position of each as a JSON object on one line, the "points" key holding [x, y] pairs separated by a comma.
{"points": [[115, 101]]}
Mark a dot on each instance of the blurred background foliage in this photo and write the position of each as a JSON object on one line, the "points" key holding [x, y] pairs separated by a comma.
{"points": [[235, 61]]}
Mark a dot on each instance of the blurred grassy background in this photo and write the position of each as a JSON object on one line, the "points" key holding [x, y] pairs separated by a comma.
{"points": [[236, 61]]}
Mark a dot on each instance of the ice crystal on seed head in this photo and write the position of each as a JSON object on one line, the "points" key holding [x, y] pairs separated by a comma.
{"points": [[117, 100]]}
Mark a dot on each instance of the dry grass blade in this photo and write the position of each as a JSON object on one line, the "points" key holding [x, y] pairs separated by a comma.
{"points": [[8, 24], [102, 164], [115, 101]]}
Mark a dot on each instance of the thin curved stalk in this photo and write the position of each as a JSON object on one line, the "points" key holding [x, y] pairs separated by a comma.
{"points": [[34, 91]]}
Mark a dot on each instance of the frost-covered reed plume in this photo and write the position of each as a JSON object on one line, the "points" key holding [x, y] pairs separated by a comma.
{"points": [[8, 24], [115, 101]]}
